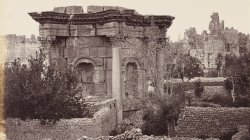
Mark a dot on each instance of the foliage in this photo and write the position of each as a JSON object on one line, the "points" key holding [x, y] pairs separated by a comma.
{"points": [[225, 100], [212, 73], [41, 92], [237, 72], [228, 135], [222, 99], [160, 111], [218, 61], [188, 67], [205, 104], [198, 88]]}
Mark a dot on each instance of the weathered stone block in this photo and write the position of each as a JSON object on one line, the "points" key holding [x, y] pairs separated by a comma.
{"points": [[70, 52], [99, 76], [93, 51], [83, 52], [60, 9], [101, 52], [109, 81], [94, 9], [69, 9], [74, 10], [61, 63], [109, 51], [109, 63], [70, 60], [98, 61], [85, 30], [99, 88], [108, 29], [54, 53]]}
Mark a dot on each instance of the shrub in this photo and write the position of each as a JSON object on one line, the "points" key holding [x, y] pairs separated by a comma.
{"points": [[222, 99], [198, 88], [161, 113], [212, 73], [204, 104], [41, 92], [225, 100], [228, 135]]}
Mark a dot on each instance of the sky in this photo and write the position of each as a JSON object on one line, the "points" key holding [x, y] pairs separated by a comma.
{"points": [[187, 13]]}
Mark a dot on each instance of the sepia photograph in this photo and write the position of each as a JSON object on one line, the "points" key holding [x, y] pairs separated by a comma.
{"points": [[125, 70]]}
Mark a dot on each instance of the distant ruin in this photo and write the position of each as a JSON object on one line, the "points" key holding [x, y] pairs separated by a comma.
{"points": [[207, 45]]}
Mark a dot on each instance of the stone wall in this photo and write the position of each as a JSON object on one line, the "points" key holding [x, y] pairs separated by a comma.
{"points": [[86, 50], [211, 122], [103, 122], [20, 47]]}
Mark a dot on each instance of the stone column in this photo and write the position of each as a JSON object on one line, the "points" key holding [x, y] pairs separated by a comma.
{"points": [[117, 42], [161, 57]]}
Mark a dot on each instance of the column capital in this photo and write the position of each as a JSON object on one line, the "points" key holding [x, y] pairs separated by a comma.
{"points": [[117, 40], [47, 41]]}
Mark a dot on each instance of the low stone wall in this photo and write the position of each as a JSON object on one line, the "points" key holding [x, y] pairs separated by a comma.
{"points": [[136, 134], [103, 122], [211, 122]]}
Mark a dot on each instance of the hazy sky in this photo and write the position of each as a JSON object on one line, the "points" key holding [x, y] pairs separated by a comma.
{"points": [[187, 13]]}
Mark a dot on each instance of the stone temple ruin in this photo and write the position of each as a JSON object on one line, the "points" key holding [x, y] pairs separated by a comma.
{"points": [[220, 39], [103, 45]]}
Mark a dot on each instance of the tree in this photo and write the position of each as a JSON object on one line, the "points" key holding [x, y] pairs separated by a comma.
{"points": [[198, 88], [38, 91], [218, 61], [187, 68], [237, 72], [162, 112]]}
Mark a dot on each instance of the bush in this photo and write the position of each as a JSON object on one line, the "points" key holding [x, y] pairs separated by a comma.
{"points": [[204, 104], [160, 113], [198, 88], [225, 100], [212, 73], [41, 92], [228, 135]]}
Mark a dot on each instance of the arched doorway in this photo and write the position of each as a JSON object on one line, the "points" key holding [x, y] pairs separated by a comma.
{"points": [[85, 79]]}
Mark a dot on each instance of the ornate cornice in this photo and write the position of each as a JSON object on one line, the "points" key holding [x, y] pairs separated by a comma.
{"points": [[127, 16]]}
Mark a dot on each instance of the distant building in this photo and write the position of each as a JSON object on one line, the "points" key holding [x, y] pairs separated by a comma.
{"points": [[206, 46]]}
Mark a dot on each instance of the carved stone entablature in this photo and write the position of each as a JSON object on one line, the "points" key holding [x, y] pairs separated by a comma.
{"points": [[117, 40], [127, 16], [135, 60]]}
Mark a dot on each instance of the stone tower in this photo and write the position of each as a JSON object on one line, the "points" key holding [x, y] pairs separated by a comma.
{"points": [[103, 45], [215, 26]]}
